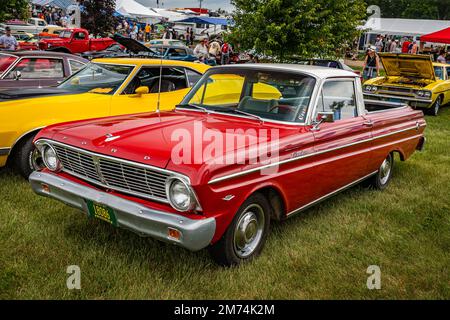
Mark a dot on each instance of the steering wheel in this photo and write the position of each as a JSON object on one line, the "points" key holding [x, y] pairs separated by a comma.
{"points": [[283, 106]]}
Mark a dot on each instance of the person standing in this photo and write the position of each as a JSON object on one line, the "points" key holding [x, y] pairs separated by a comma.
{"points": [[167, 34], [226, 51], [414, 48], [371, 65], [215, 49], [201, 50], [148, 29], [192, 37], [187, 36], [394, 45], [8, 42], [379, 44], [440, 59]]}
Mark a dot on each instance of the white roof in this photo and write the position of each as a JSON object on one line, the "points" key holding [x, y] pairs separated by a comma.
{"points": [[169, 14], [318, 72], [135, 9], [404, 27]]}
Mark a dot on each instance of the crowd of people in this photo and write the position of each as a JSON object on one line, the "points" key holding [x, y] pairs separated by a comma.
{"points": [[51, 15], [394, 45]]}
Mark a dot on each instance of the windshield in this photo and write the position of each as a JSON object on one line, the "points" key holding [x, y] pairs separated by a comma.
{"points": [[280, 96], [5, 62], [97, 78], [65, 34]]}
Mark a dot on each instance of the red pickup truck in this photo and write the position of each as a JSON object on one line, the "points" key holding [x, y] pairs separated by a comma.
{"points": [[248, 144], [75, 41]]}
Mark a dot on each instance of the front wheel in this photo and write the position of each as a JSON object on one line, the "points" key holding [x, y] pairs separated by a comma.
{"points": [[25, 159], [246, 235], [434, 110], [383, 177]]}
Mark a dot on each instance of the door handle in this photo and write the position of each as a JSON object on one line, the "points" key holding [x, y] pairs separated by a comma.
{"points": [[368, 123]]}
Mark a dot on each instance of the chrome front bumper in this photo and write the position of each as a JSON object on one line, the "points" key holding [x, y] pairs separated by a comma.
{"points": [[414, 101], [195, 234]]}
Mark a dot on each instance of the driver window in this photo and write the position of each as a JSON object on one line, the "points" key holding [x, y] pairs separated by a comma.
{"points": [[339, 98], [448, 73], [172, 79], [79, 36]]}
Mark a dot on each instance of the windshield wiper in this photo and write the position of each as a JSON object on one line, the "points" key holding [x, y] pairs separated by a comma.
{"points": [[243, 113], [190, 105]]}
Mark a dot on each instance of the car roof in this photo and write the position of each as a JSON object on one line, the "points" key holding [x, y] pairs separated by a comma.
{"points": [[316, 71], [146, 61], [30, 53]]}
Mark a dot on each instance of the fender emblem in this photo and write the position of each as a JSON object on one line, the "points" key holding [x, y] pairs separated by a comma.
{"points": [[110, 137], [229, 197]]}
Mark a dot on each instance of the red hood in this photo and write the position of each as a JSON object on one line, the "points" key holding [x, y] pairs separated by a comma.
{"points": [[147, 138]]}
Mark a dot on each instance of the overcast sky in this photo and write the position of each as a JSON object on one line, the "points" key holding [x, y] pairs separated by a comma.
{"points": [[210, 4]]}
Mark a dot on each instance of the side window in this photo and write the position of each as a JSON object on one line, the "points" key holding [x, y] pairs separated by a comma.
{"points": [[448, 73], [439, 72], [41, 23], [75, 65], [79, 36], [36, 68], [193, 77], [172, 79], [339, 98]]}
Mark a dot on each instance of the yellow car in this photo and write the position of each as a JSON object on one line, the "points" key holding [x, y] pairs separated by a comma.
{"points": [[412, 79], [105, 87]]}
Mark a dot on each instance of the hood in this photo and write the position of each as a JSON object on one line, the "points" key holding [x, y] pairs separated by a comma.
{"points": [[14, 94], [151, 138], [408, 65], [131, 44]]}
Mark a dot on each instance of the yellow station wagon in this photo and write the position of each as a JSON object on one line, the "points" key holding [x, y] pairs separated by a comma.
{"points": [[105, 87], [413, 79]]}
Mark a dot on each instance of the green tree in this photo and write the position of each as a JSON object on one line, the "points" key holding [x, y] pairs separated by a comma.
{"points": [[97, 16], [13, 9], [414, 9], [283, 28]]}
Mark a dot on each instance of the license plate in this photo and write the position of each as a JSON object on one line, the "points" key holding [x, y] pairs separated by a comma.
{"points": [[102, 212]]}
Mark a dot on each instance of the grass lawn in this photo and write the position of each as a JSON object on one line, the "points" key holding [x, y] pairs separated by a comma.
{"points": [[322, 253]]}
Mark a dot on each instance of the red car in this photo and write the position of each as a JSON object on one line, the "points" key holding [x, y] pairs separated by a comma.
{"points": [[75, 41], [249, 143], [36, 69]]}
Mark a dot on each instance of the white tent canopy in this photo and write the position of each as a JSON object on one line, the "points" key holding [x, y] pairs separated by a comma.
{"points": [[169, 15], [135, 9], [404, 27]]}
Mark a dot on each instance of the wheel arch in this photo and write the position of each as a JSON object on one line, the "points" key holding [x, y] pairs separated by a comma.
{"points": [[275, 197], [22, 138]]}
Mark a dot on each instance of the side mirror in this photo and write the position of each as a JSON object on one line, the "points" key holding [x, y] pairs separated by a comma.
{"points": [[17, 75], [325, 116], [141, 90]]}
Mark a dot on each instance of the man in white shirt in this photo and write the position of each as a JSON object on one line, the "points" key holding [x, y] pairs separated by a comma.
{"points": [[201, 50], [8, 42]]}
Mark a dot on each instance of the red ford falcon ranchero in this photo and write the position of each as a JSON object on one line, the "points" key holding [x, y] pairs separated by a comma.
{"points": [[305, 134]]}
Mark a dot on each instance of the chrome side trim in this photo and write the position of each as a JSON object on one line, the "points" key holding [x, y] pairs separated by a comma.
{"points": [[397, 97], [351, 184], [4, 151], [242, 173]]}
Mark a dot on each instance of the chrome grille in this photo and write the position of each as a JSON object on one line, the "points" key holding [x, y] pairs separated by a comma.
{"points": [[396, 89], [114, 174]]}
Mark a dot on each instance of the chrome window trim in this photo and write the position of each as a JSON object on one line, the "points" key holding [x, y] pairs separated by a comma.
{"points": [[32, 57], [70, 66], [138, 68], [12, 64], [123, 161], [246, 172]]}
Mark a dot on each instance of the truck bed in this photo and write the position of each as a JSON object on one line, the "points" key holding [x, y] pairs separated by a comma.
{"points": [[377, 106]]}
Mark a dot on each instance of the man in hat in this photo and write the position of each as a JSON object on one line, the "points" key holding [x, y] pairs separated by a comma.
{"points": [[8, 42]]}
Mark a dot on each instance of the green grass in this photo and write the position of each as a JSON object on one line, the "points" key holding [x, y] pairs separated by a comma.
{"points": [[322, 253]]}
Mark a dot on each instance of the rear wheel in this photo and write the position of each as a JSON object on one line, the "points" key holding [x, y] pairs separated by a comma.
{"points": [[25, 157], [246, 235], [434, 110], [383, 177]]}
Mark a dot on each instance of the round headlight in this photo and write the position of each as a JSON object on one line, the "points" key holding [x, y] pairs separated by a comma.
{"points": [[420, 93], [427, 94], [50, 158], [180, 195], [374, 88], [367, 88]]}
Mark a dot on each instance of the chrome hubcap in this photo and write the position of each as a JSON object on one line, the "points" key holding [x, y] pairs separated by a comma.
{"points": [[437, 105], [249, 230], [385, 170]]}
